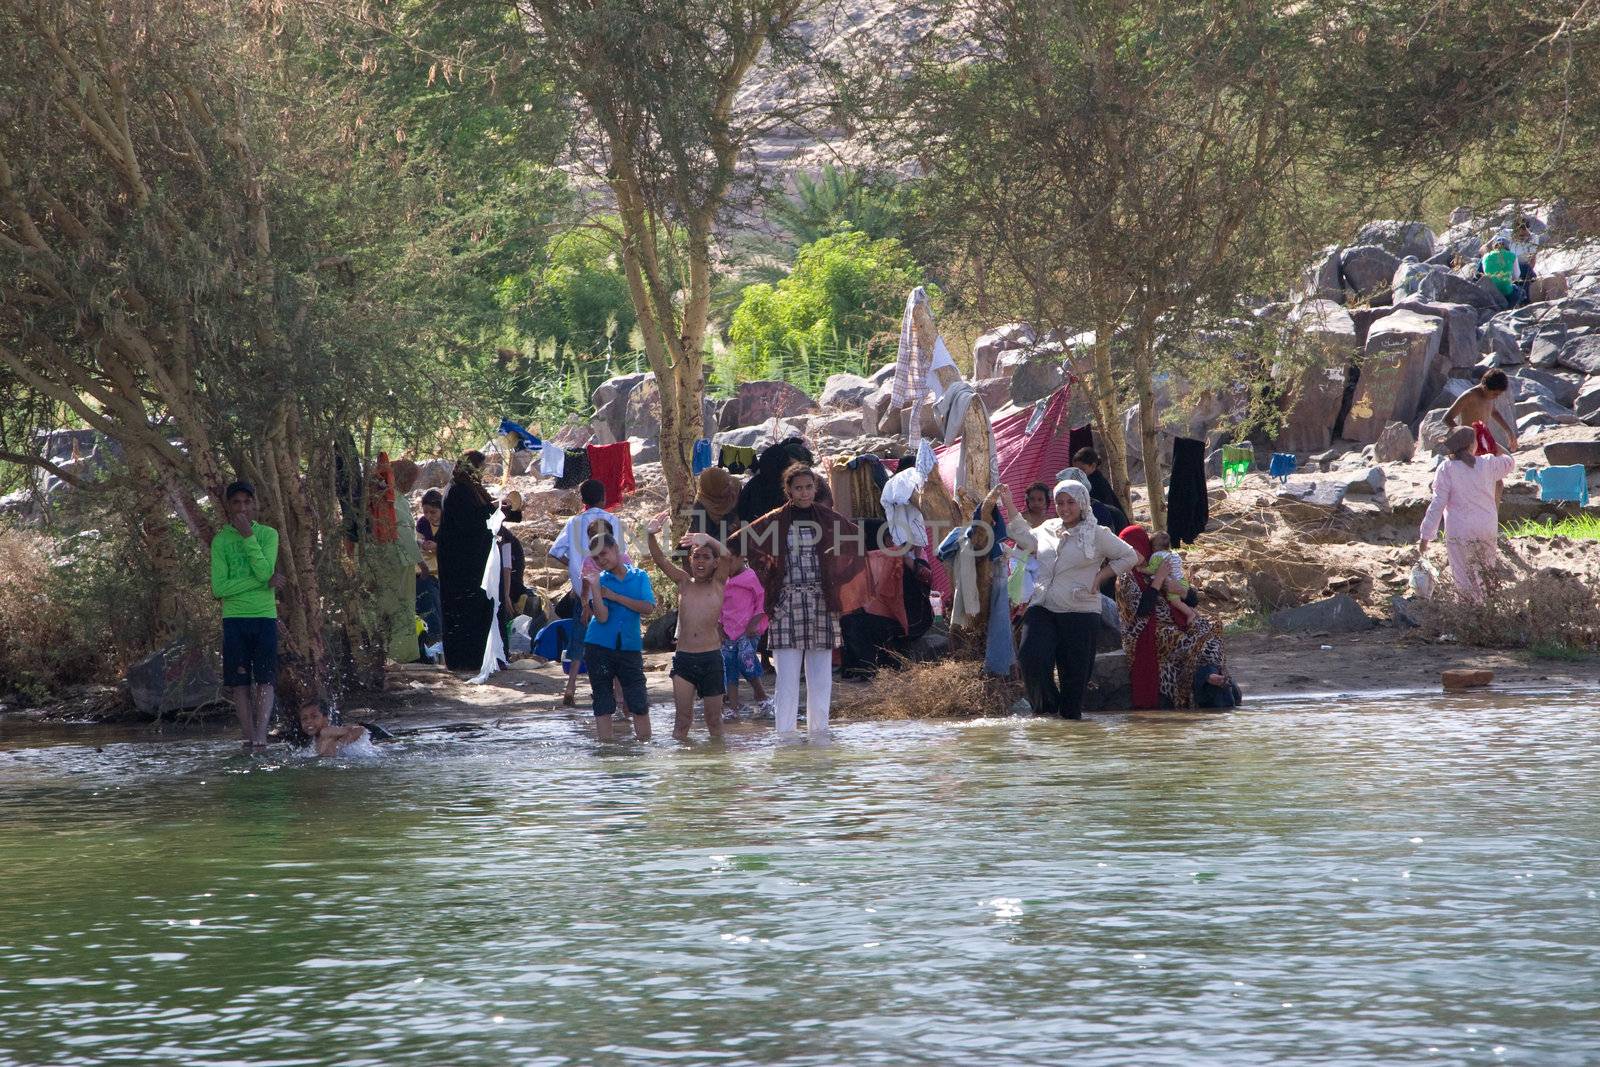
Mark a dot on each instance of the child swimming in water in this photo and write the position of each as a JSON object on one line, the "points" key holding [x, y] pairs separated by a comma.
{"points": [[330, 740]]}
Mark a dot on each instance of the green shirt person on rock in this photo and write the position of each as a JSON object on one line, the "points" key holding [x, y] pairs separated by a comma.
{"points": [[1500, 266], [244, 563]]}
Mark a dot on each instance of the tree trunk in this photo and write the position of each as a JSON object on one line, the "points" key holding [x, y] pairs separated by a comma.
{"points": [[1149, 429], [1103, 394]]}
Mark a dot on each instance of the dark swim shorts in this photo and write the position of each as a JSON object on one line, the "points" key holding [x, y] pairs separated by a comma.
{"points": [[249, 651], [703, 670]]}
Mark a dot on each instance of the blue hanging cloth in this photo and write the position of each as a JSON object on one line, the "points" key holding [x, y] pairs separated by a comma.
{"points": [[1282, 465], [526, 442], [1566, 485], [701, 458]]}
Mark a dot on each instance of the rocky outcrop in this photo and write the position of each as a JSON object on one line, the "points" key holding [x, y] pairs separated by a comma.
{"points": [[1398, 238], [1316, 394], [762, 400], [848, 391], [1399, 353], [1322, 276], [1335, 615], [1368, 272]]}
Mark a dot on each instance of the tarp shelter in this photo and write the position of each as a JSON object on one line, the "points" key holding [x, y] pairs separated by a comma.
{"points": [[1032, 445]]}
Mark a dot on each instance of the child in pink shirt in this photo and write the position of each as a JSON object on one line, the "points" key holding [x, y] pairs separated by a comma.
{"points": [[744, 620]]}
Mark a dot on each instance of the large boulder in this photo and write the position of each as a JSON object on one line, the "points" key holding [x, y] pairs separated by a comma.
{"points": [[1396, 444], [986, 349], [1035, 379], [845, 391], [611, 418], [642, 415], [1499, 344], [178, 676], [1399, 238], [1579, 450], [883, 375], [1336, 615], [1399, 355], [1586, 405], [762, 400], [1368, 272], [1460, 340], [1446, 287], [1315, 394], [1540, 410], [1562, 389], [1578, 260], [433, 473], [1581, 354], [996, 392], [619, 386], [1110, 685], [1322, 276]]}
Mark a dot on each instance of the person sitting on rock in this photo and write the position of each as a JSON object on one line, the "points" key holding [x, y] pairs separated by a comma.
{"points": [[1500, 267]]}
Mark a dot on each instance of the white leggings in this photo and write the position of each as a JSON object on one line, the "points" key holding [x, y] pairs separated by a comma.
{"points": [[819, 688]]}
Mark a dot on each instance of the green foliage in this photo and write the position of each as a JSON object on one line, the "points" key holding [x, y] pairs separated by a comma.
{"points": [[845, 289], [1581, 527], [841, 198]]}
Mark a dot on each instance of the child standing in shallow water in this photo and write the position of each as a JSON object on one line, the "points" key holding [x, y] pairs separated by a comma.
{"points": [[697, 664], [744, 620]]}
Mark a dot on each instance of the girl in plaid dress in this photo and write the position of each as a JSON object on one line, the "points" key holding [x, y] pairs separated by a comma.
{"points": [[804, 552]]}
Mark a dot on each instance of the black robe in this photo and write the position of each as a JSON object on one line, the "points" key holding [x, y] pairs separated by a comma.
{"points": [[1188, 510], [464, 547]]}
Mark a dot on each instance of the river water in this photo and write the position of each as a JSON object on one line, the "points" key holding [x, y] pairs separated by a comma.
{"points": [[1382, 881]]}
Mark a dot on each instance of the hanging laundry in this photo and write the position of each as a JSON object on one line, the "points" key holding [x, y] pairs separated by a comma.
{"points": [[612, 466], [1187, 508], [1281, 466], [701, 459], [525, 441], [574, 468], [1080, 437], [1236, 461], [552, 461], [736, 459], [1568, 485], [906, 524]]}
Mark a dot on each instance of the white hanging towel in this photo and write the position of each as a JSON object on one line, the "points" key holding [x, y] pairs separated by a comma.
{"points": [[495, 650], [552, 460]]}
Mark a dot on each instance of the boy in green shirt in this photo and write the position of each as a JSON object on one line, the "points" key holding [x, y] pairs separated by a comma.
{"points": [[244, 560]]}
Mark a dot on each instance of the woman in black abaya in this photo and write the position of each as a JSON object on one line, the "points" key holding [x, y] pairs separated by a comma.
{"points": [[464, 546]]}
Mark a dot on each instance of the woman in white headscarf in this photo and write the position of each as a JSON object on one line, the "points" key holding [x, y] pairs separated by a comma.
{"points": [[1059, 630], [1464, 502]]}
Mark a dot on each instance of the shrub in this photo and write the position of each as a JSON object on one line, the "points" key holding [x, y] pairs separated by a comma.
{"points": [[1545, 610], [44, 642], [844, 289]]}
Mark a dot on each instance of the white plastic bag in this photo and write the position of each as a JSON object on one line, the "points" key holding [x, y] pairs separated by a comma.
{"points": [[1423, 580]]}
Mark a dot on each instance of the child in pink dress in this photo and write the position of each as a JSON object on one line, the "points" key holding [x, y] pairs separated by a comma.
{"points": [[744, 620]]}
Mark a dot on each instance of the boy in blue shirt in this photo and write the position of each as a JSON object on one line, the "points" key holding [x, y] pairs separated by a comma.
{"points": [[613, 643]]}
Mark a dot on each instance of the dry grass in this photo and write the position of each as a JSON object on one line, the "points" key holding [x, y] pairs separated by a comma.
{"points": [[44, 644], [1548, 608], [945, 689]]}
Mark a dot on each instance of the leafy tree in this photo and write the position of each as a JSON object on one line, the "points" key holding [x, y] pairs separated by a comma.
{"points": [[657, 89], [174, 272], [844, 289]]}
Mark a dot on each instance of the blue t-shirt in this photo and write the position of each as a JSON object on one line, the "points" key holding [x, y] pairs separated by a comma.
{"points": [[621, 628]]}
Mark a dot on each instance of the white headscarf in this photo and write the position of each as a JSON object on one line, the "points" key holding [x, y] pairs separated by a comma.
{"points": [[1086, 526]]}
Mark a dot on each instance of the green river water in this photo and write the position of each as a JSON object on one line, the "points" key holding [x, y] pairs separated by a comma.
{"points": [[1382, 881]]}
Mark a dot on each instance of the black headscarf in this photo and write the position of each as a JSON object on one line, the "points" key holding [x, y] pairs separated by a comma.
{"points": [[764, 491]]}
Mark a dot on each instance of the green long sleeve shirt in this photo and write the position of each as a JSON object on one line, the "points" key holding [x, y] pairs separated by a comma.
{"points": [[240, 570]]}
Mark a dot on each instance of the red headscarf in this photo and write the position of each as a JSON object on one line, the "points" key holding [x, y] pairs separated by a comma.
{"points": [[1144, 672]]}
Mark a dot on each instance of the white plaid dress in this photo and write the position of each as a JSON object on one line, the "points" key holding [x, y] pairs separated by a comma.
{"points": [[802, 619]]}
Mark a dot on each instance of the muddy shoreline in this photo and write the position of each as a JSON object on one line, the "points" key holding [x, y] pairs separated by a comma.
{"points": [[1268, 666]]}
